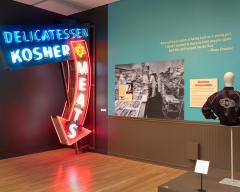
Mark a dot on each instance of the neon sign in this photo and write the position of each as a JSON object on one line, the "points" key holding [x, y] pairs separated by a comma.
{"points": [[23, 46], [69, 126]]}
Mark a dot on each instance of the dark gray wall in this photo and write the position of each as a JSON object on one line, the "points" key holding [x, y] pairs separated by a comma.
{"points": [[99, 18], [12, 12], [28, 97], [167, 142]]}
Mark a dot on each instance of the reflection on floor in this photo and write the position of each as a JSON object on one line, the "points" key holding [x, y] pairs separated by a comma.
{"points": [[63, 171]]}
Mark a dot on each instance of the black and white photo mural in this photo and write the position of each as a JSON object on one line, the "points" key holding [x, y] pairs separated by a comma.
{"points": [[150, 89]]}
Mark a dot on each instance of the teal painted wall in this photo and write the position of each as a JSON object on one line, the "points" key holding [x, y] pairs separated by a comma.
{"points": [[136, 28]]}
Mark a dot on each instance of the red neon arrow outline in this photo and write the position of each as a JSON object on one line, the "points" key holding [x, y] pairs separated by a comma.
{"points": [[61, 123]]}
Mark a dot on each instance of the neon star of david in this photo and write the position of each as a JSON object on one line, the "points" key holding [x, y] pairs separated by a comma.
{"points": [[80, 50]]}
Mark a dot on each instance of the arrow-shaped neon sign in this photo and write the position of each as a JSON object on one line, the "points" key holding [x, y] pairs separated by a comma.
{"points": [[69, 126]]}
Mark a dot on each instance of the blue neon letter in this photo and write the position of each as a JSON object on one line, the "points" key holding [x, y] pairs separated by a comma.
{"points": [[35, 36], [7, 37], [65, 50], [65, 32], [85, 32], [51, 33], [47, 52], [56, 51], [37, 52], [59, 34], [17, 37], [45, 36], [27, 54], [15, 56]]}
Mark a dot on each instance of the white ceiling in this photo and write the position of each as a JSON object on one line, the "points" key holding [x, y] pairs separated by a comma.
{"points": [[66, 7]]}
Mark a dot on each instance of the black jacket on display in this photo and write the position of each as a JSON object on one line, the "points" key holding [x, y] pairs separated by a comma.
{"points": [[225, 105]]}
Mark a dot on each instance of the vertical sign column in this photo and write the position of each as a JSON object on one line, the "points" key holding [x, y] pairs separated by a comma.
{"points": [[69, 126]]}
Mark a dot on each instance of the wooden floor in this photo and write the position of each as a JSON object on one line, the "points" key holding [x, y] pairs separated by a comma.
{"points": [[63, 171]]}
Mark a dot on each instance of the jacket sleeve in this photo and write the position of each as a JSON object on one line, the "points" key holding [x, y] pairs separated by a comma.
{"points": [[239, 105], [207, 109]]}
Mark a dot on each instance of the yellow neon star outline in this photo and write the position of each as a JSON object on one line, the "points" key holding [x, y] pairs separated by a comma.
{"points": [[80, 50]]}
